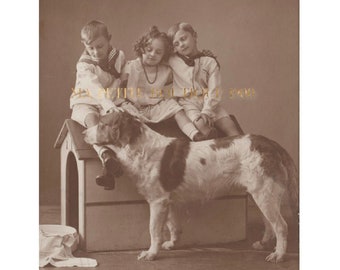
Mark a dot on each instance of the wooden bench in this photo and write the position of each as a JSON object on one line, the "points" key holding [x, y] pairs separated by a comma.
{"points": [[118, 219]]}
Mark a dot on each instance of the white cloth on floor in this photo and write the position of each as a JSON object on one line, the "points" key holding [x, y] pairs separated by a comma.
{"points": [[56, 244]]}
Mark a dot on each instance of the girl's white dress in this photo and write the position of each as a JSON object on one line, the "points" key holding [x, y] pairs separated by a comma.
{"points": [[154, 103]]}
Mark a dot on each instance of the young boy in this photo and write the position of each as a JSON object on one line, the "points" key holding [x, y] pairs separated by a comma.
{"points": [[199, 72], [98, 68]]}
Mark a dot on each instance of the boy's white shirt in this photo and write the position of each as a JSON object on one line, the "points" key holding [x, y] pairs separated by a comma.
{"points": [[90, 82], [204, 77]]}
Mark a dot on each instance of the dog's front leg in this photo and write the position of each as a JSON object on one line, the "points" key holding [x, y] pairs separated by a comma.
{"points": [[158, 215], [174, 228]]}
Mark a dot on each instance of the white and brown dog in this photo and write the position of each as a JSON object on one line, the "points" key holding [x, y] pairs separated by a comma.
{"points": [[169, 169]]}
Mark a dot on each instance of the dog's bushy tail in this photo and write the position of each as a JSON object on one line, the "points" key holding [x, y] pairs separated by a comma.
{"points": [[293, 187], [275, 156], [293, 182]]}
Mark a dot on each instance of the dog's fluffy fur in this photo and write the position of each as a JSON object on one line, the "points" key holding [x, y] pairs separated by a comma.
{"points": [[168, 169]]}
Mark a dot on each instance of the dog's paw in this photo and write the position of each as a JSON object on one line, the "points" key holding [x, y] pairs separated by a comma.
{"points": [[168, 245], [146, 256], [258, 245], [274, 257]]}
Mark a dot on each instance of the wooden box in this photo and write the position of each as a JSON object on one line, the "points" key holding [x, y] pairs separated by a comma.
{"points": [[118, 219]]}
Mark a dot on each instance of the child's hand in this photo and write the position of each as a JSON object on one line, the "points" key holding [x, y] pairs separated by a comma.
{"points": [[206, 119], [115, 109]]}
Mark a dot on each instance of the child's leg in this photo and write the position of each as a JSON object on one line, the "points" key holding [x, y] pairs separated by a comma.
{"points": [[192, 109], [170, 108], [202, 127], [187, 127], [88, 116], [111, 167], [227, 126], [225, 123]]}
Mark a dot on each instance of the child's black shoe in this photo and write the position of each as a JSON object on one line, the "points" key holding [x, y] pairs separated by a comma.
{"points": [[111, 169], [213, 134], [111, 165], [106, 181]]}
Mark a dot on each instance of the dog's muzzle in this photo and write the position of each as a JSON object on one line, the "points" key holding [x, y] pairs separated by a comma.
{"points": [[90, 135]]}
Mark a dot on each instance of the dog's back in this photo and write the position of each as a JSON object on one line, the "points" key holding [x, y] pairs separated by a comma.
{"points": [[203, 170]]}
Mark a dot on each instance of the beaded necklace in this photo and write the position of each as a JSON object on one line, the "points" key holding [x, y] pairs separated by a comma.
{"points": [[146, 74]]}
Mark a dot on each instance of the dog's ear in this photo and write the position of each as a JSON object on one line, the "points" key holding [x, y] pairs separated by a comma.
{"points": [[106, 131], [111, 119], [129, 128]]}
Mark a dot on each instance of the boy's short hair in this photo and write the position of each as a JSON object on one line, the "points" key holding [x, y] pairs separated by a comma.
{"points": [[181, 26], [92, 30]]}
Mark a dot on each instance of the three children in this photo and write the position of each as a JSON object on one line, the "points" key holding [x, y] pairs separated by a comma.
{"points": [[162, 59]]}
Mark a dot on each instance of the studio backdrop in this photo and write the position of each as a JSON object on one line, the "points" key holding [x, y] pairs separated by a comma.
{"points": [[256, 44]]}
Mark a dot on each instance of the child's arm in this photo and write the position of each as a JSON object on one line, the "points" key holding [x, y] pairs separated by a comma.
{"points": [[115, 67], [88, 80], [129, 78], [93, 79], [123, 80], [105, 78], [212, 99], [170, 79]]}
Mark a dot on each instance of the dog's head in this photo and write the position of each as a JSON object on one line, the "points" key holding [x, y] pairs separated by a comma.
{"points": [[117, 128]]}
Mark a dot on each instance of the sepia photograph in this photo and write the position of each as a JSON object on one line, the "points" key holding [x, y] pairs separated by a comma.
{"points": [[169, 134]]}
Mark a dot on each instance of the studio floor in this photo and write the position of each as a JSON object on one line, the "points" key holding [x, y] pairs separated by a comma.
{"points": [[232, 256]]}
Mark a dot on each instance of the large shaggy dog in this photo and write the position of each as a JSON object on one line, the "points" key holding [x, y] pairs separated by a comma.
{"points": [[169, 169]]}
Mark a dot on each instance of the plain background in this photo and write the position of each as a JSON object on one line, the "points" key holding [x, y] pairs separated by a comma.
{"points": [[319, 173], [256, 43]]}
